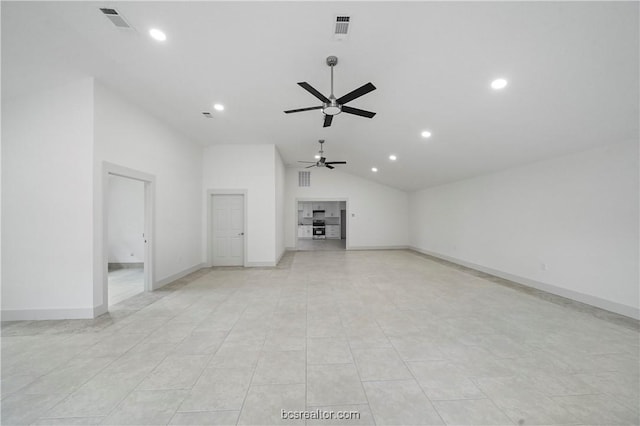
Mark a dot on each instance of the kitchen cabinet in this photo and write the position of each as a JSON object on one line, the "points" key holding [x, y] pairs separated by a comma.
{"points": [[333, 231], [318, 205], [305, 231], [332, 209], [307, 210]]}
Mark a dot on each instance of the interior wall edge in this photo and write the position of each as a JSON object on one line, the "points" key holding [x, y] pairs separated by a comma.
{"points": [[171, 278], [608, 305]]}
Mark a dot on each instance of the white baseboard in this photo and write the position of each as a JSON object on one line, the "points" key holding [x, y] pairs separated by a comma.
{"points": [[47, 314], [618, 308], [259, 264], [377, 247], [171, 278], [99, 310]]}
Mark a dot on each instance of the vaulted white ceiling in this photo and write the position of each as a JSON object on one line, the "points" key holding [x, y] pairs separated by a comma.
{"points": [[572, 70]]}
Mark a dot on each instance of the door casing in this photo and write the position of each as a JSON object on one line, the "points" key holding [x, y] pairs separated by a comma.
{"points": [[149, 181]]}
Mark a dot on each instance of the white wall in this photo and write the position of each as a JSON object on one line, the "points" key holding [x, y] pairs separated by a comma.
{"points": [[376, 214], [47, 204], [576, 216], [250, 168], [128, 136], [126, 220], [280, 176]]}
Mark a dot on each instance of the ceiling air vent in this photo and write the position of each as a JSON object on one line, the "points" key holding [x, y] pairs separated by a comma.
{"points": [[115, 18], [304, 178], [342, 26], [207, 114]]}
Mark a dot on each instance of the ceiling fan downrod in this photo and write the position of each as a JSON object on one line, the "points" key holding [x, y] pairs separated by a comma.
{"points": [[332, 108]]}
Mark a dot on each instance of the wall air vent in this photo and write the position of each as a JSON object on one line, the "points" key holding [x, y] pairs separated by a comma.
{"points": [[304, 178], [342, 26], [207, 114], [115, 18]]}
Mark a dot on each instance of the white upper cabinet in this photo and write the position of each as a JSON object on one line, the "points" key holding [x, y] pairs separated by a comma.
{"points": [[307, 210], [332, 209]]}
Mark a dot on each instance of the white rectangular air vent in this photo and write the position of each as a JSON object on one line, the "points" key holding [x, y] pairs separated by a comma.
{"points": [[207, 114], [304, 178], [342, 26], [115, 18]]}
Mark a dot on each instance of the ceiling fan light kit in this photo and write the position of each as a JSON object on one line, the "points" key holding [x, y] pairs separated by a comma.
{"points": [[322, 162], [332, 106]]}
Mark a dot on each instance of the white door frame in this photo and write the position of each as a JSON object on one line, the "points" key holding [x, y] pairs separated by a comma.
{"points": [[245, 201], [149, 228], [320, 199]]}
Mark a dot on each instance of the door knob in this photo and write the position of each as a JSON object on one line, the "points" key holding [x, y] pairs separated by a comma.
{"points": [[242, 233]]}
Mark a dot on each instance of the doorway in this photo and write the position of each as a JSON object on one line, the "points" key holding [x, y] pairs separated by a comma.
{"points": [[321, 225], [125, 238], [227, 230], [127, 234]]}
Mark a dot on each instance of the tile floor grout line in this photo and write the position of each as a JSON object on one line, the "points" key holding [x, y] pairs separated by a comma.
{"points": [[415, 379], [355, 364]]}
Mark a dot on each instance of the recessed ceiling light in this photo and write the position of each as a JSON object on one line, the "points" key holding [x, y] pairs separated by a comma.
{"points": [[317, 156], [426, 134], [374, 169], [218, 107], [156, 34], [499, 83], [393, 157]]}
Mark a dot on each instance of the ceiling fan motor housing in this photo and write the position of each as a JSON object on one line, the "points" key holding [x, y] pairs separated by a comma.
{"points": [[332, 108]]}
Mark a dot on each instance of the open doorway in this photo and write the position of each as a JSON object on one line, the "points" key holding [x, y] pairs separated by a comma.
{"points": [[321, 225], [127, 200], [125, 238]]}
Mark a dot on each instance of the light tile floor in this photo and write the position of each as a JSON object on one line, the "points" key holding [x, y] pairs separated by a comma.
{"points": [[395, 336], [125, 283], [305, 244]]}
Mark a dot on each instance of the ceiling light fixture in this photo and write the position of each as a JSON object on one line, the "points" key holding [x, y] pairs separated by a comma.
{"points": [[426, 134], [498, 84], [156, 34], [374, 169], [393, 157], [218, 107], [317, 156]]}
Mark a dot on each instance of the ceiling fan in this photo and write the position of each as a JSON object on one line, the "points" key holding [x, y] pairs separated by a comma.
{"points": [[322, 161], [332, 106]]}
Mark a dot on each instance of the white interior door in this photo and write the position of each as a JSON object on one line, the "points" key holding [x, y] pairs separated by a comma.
{"points": [[228, 230]]}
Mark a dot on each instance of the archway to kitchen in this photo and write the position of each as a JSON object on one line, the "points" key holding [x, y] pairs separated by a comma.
{"points": [[321, 224]]}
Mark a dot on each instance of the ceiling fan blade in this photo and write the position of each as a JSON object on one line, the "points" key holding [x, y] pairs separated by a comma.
{"points": [[357, 111], [328, 166], [306, 86], [362, 90], [309, 162], [327, 120], [302, 109], [308, 167], [336, 162]]}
